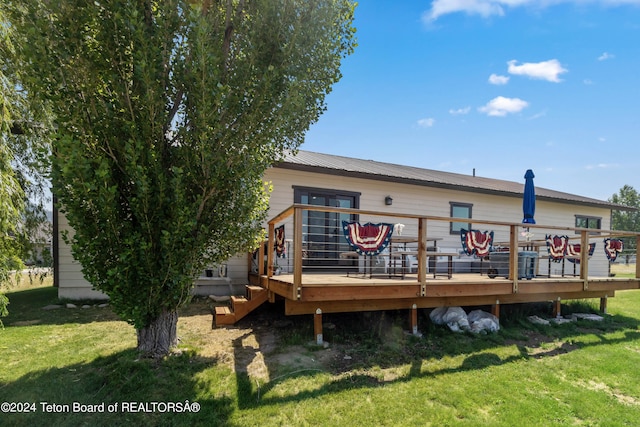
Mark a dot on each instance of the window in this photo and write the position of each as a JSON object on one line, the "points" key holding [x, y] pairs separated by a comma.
{"points": [[588, 222], [459, 210]]}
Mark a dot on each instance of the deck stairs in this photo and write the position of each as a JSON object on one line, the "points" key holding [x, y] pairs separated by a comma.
{"points": [[240, 306]]}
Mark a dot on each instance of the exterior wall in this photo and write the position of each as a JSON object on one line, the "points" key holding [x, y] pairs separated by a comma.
{"points": [[409, 199], [414, 199], [71, 281], [72, 284]]}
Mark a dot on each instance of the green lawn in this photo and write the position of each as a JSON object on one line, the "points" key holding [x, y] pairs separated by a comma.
{"points": [[583, 373]]}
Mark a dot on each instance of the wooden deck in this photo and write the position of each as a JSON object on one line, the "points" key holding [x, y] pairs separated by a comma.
{"points": [[339, 293], [307, 292]]}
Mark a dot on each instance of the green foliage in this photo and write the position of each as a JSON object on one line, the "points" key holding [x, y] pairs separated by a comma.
{"points": [[24, 150], [629, 219], [168, 112]]}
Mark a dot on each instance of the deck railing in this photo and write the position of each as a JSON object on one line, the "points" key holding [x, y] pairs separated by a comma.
{"points": [[314, 242]]}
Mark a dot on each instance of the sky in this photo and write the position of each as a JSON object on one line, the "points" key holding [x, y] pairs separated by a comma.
{"points": [[499, 86]]}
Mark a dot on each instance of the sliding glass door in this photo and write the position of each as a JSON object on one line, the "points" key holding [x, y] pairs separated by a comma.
{"points": [[323, 237]]}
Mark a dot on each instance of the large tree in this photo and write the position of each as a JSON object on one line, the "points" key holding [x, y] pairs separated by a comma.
{"points": [[24, 150], [626, 219], [168, 112]]}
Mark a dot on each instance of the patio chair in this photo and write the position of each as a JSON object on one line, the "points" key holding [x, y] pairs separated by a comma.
{"points": [[573, 253], [477, 243], [557, 248], [612, 247], [368, 240]]}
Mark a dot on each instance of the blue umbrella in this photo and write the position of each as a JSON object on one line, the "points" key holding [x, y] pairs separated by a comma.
{"points": [[529, 198]]}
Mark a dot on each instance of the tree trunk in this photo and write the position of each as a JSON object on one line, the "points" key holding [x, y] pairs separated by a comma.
{"points": [[157, 339]]}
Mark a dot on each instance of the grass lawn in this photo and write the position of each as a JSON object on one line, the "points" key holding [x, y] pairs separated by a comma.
{"points": [[264, 372]]}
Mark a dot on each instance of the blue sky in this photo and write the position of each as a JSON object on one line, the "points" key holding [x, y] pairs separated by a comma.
{"points": [[501, 86]]}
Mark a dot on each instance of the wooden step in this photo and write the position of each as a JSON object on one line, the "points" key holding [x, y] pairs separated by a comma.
{"points": [[253, 291], [240, 306], [223, 316], [237, 302]]}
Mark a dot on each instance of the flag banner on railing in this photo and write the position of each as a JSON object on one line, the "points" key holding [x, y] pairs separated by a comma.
{"points": [[574, 251], [612, 247], [557, 247], [280, 243], [476, 242], [367, 239]]}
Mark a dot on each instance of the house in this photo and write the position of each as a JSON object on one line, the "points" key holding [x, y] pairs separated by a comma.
{"points": [[330, 181]]}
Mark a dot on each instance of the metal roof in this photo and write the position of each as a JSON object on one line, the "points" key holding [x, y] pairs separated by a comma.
{"points": [[370, 169]]}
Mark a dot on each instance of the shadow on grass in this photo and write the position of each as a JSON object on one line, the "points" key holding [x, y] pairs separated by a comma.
{"points": [[26, 307], [379, 342], [123, 390]]}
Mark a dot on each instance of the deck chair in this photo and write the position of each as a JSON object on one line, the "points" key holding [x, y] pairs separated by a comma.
{"points": [[573, 254], [557, 248], [368, 240], [612, 247], [476, 242]]}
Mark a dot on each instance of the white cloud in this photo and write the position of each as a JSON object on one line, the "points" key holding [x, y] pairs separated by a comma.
{"points": [[495, 79], [501, 106], [488, 8], [603, 166], [605, 56], [426, 122], [538, 115], [483, 8], [545, 70], [460, 111], [587, 82]]}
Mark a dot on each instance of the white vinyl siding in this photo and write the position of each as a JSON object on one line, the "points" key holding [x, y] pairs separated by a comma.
{"points": [[407, 198]]}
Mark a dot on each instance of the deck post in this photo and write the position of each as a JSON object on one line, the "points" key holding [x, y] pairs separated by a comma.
{"points": [[297, 253], [557, 308], [603, 304], [414, 319], [495, 309], [584, 259], [261, 259], [513, 257], [637, 257], [271, 248], [317, 326], [422, 255]]}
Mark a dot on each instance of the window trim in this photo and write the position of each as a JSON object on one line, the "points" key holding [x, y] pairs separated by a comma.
{"points": [[588, 218], [299, 190]]}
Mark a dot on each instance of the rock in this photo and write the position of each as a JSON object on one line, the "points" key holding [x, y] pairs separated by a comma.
{"points": [[538, 320], [103, 305], [86, 306], [588, 316], [52, 307], [69, 305], [222, 298], [562, 320]]}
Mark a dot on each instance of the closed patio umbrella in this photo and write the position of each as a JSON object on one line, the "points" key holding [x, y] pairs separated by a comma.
{"points": [[529, 198]]}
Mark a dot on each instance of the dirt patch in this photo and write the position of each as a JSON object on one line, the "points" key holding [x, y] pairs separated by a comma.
{"points": [[253, 345], [538, 345]]}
